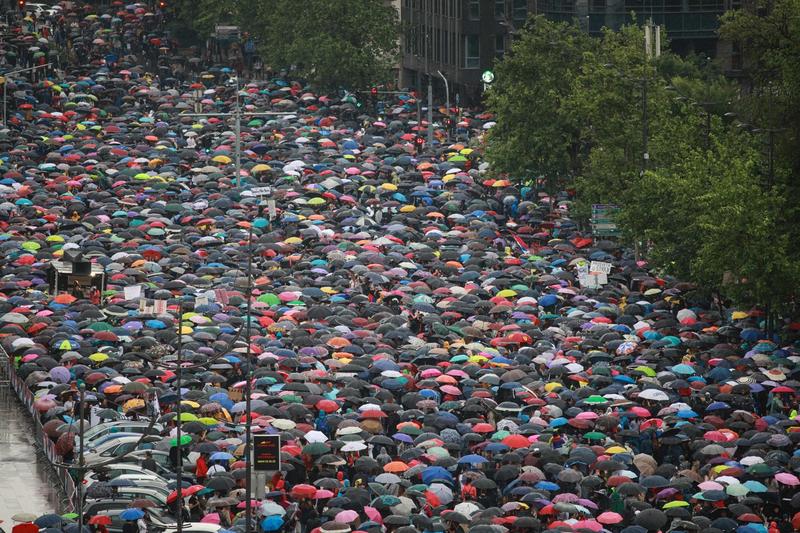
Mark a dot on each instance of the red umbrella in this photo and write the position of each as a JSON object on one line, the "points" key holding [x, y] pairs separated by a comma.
{"points": [[100, 520], [304, 491], [516, 441], [329, 406]]}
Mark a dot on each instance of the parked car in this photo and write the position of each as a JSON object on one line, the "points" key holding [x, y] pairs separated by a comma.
{"points": [[121, 426], [162, 460], [116, 470], [195, 527], [114, 447], [157, 518]]}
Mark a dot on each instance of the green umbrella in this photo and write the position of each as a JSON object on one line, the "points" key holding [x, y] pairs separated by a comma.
{"points": [[185, 439], [594, 435], [316, 448], [595, 399]]}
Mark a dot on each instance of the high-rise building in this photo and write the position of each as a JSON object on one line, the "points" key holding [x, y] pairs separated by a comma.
{"points": [[462, 38]]}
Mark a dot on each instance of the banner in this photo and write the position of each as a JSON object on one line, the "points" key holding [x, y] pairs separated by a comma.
{"points": [[266, 452]]}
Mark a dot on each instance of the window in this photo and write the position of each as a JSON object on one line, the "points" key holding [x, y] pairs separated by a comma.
{"points": [[520, 11], [499, 45], [499, 9], [474, 9], [472, 51]]}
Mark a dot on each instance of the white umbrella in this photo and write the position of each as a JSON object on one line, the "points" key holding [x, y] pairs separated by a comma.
{"points": [[654, 394], [315, 436]]}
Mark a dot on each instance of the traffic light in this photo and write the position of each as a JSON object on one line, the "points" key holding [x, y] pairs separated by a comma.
{"points": [[21, 5], [162, 4], [419, 141], [374, 91]]}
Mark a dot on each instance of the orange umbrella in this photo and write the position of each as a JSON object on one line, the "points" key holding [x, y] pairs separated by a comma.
{"points": [[64, 299], [395, 467], [338, 342]]}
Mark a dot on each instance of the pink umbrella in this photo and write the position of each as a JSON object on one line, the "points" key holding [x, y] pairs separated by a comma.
{"points": [[713, 485], [346, 517], [450, 389], [609, 517], [321, 494], [352, 171], [211, 518], [787, 479], [253, 503], [591, 525], [587, 416], [373, 514]]}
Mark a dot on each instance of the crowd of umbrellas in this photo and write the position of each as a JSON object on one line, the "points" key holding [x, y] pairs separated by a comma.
{"points": [[417, 336]]}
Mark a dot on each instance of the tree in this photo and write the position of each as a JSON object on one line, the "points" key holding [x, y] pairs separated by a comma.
{"points": [[535, 135], [346, 43]]}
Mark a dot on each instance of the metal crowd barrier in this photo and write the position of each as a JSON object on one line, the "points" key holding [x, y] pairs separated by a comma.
{"points": [[46, 444]]}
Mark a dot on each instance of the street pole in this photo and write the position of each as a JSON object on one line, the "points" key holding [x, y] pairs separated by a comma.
{"points": [[645, 132], [771, 164], [238, 138], [178, 376], [248, 392], [81, 459], [447, 101], [430, 110]]}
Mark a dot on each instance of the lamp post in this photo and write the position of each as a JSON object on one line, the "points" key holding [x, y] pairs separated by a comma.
{"points": [[447, 101]]}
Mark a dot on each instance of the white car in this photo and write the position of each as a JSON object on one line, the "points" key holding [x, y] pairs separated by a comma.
{"points": [[125, 471], [115, 447], [195, 527]]}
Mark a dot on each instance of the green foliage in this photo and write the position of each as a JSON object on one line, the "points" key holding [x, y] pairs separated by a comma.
{"points": [[332, 44], [535, 134], [572, 108], [346, 43]]}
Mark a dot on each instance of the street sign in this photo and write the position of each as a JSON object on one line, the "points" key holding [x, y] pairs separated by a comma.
{"points": [[487, 77], [602, 221], [266, 452]]}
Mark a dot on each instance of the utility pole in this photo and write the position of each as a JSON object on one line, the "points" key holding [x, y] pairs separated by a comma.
{"points": [[447, 100], [178, 376], [248, 512], [81, 458]]}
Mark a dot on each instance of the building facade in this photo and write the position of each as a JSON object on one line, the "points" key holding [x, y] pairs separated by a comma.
{"points": [[462, 38]]}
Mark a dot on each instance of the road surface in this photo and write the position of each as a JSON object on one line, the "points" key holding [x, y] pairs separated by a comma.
{"points": [[24, 474]]}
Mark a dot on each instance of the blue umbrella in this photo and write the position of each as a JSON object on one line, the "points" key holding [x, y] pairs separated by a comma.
{"points": [[687, 413], [272, 523], [546, 485], [436, 473], [155, 324], [221, 456], [547, 300], [473, 459], [49, 520], [131, 514]]}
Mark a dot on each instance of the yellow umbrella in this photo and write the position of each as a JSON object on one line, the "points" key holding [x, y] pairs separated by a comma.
{"points": [[507, 293], [98, 357], [739, 315], [408, 209], [135, 403], [190, 403], [261, 167], [293, 240], [550, 387], [224, 159], [389, 187]]}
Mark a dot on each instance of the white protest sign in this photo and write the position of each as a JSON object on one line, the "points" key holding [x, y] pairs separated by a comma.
{"points": [[600, 266], [132, 292]]}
